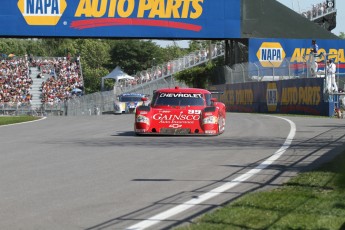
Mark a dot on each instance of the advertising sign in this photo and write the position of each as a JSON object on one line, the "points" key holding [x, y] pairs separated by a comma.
{"points": [[183, 19], [294, 53], [298, 96]]}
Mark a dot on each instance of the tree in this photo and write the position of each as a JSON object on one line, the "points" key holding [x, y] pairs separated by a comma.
{"points": [[201, 76], [4, 48], [134, 55], [342, 35], [172, 52], [95, 57], [36, 48], [93, 78], [197, 76]]}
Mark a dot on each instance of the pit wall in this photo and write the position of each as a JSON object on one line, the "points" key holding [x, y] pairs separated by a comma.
{"points": [[296, 96]]}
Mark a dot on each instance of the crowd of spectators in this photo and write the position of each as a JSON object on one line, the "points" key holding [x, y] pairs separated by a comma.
{"points": [[317, 10], [63, 78], [15, 82]]}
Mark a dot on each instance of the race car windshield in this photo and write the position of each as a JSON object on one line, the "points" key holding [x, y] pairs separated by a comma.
{"points": [[180, 99], [129, 99]]}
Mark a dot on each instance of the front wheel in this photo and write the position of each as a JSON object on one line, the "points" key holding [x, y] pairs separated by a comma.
{"points": [[221, 125]]}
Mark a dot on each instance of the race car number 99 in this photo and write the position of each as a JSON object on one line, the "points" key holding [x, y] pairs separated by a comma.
{"points": [[194, 111]]}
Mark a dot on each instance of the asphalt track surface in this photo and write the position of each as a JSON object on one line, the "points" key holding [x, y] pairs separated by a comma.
{"points": [[94, 173]]}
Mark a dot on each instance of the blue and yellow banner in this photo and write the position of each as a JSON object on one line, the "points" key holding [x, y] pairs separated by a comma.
{"points": [[293, 54], [182, 19], [298, 96]]}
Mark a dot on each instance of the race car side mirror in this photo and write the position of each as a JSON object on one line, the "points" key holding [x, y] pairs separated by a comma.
{"points": [[213, 100], [144, 99]]}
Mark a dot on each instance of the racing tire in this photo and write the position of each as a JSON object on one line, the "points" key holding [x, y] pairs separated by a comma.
{"points": [[221, 125]]}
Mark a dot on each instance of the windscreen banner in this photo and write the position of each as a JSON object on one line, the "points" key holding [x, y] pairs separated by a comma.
{"points": [[291, 56], [295, 96], [182, 19]]}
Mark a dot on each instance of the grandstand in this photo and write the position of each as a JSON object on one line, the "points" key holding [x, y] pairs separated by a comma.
{"points": [[38, 85], [15, 84]]}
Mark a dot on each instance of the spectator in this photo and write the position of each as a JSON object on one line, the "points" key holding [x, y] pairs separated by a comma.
{"points": [[331, 83], [314, 49]]}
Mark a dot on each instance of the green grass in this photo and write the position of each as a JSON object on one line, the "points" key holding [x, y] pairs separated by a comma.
{"points": [[311, 200], [16, 119]]}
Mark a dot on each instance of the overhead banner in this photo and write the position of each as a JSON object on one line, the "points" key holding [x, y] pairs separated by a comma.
{"points": [[291, 55], [182, 19]]}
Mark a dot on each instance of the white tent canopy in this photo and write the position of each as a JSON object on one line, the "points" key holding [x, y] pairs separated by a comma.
{"points": [[117, 74]]}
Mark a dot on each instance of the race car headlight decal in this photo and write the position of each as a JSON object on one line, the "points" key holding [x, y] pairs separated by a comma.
{"points": [[143, 119], [210, 120]]}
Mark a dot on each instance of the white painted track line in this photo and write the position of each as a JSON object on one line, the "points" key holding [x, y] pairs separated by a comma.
{"points": [[221, 189]]}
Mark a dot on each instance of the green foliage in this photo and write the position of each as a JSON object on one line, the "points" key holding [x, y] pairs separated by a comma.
{"points": [[134, 55], [93, 78], [171, 52], [19, 47], [201, 44], [200, 76], [342, 35], [36, 47], [94, 59], [197, 76], [94, 53]]}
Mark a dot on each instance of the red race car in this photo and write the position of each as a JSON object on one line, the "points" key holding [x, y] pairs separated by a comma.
{"points": [[181, 111]]}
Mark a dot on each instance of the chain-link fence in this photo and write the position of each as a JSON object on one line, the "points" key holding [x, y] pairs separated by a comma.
{"points": [[15, 109], [103, 102]]}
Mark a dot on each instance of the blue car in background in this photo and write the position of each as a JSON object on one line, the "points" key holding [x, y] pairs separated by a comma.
{"points": [[128, 102]]}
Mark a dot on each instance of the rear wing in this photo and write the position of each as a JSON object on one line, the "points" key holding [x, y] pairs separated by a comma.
{"points": [[217, 92]]}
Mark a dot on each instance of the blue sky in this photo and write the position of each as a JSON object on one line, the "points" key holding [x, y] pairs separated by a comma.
{"points": [[297, 5]]}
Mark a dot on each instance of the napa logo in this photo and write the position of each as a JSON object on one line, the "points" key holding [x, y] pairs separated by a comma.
{"points": [[42, 12], [272, 97], [271, 54]]}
